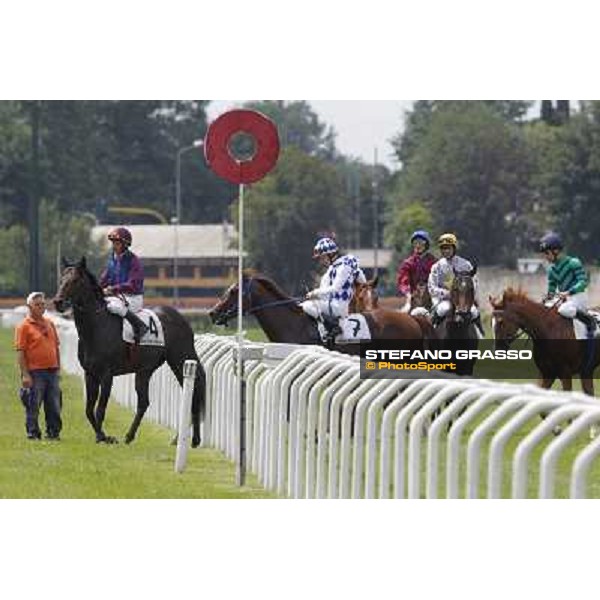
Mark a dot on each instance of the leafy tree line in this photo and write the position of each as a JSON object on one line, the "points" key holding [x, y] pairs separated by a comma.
{"points": [[498, 180], [97, 153], [492, 171]]}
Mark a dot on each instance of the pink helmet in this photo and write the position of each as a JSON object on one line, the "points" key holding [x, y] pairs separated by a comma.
{"points": [[121, 234]]}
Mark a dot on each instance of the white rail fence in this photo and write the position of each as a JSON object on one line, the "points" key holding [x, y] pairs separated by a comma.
{"points": [[316, 430]]}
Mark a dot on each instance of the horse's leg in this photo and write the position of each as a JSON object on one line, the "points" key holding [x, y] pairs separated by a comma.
{"points": [[198, 404], [567, 384], [545, 382], [105, 389], [142, 379], [92, 385], [587, 385]]}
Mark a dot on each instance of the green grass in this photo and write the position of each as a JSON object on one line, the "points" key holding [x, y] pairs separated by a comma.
{"points": [[77, 467]]}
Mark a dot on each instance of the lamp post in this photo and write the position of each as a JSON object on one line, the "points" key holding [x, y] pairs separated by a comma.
{"points": [[176, 220]]}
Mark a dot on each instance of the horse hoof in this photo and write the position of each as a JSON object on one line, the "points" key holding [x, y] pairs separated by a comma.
{"points": [[195, 442], [111, 440], [128, 439]]}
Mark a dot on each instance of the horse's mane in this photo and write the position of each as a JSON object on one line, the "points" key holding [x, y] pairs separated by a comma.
{"points": [[519, 296], [268, 283], [272, 287], [95, 285]]}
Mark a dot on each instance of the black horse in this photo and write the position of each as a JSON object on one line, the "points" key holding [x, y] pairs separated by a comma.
{"points": [[458, 331], [103, 354]]}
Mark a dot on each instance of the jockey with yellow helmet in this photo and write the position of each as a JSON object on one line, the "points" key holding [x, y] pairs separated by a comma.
{"points": [[122, 281], [329, 302], [442, 275]]}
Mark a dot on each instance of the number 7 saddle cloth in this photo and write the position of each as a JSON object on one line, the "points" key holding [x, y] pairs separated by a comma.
{"points": [[354, 329]]}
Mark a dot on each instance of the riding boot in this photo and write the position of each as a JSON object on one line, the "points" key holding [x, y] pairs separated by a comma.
{"points": [[139, 327], [587, 320], [436, 320], [478, 324], [332, 328]]}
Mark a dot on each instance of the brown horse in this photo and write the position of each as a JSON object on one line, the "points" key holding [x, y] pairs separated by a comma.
{"points": [[556, 352], [420, 297], [365, 297], [283, 320]]}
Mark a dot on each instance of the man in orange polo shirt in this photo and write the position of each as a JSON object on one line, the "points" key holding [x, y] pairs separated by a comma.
{"points": [[36, 342]]}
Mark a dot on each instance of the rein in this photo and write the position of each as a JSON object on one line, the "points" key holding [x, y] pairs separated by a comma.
{"points": [[254, 309], [272, 304]]}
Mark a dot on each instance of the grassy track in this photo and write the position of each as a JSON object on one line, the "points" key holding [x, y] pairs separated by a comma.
{"points": [[77, 467]]}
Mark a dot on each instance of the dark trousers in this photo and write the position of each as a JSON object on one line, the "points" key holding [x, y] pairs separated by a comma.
{"points": [[45, 391]]}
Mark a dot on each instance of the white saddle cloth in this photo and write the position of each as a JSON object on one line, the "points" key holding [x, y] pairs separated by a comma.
{"points": [[580, 329], [155, 336], [354, 329]]}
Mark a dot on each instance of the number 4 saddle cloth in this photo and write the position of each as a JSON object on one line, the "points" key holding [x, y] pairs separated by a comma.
{"points": [[155, 335]]}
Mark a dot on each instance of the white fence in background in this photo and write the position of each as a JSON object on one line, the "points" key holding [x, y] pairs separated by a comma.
{"points": [[316, 430]]}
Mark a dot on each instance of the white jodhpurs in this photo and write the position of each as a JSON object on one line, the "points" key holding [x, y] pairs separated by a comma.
{"points": [[117, 305], [442, 308], [330, 308], [570, 306]]}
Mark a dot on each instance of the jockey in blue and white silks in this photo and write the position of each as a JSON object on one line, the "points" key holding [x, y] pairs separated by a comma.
{"points": [[330, 300], [442, 275]]}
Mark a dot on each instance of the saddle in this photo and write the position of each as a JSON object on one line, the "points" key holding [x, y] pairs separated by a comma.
{"points": [[354, 328], [580, 329], [154, 336]]}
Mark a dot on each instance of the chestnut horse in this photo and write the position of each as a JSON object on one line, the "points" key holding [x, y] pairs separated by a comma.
{"points": [[282, 319], [365, 297], [556, 352]]}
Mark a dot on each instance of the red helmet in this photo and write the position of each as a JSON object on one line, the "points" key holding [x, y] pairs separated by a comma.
{"points": [[121, 234]]}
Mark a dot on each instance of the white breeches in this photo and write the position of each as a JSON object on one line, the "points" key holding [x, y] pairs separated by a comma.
{"points": [[442, 308], [334, 308], [569, 307], [116, 304]]}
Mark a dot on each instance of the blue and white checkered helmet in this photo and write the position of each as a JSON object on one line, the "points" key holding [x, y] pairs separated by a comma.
{"points": [[324, 246]]}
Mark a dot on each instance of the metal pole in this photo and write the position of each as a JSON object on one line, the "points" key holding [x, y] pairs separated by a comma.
{"points": [[195, 144], [375, 220], [34, 199], [176, 231], [58, 263], [241, 465]]}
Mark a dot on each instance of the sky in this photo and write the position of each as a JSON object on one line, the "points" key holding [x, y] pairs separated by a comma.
{"points": [[361, 125]]}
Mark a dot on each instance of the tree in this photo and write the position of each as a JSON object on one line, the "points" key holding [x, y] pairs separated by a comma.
{"points": [[285, 213], [125, 152], [298, 125], [405, 221], [575, 181], [469, 167], [418, 119], [70, 233], [15, 137]]}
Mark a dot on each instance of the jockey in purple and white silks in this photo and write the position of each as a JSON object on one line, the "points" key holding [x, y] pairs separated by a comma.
{"points": [[441, 277], [123, 281], [329, 302]]}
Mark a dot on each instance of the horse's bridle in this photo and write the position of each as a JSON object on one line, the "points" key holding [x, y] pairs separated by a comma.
{"points": [[81, 307], [246, 289], [519, 334]]}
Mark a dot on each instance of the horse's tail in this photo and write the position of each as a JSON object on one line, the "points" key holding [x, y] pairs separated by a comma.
{"points": [[180, 347]]}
